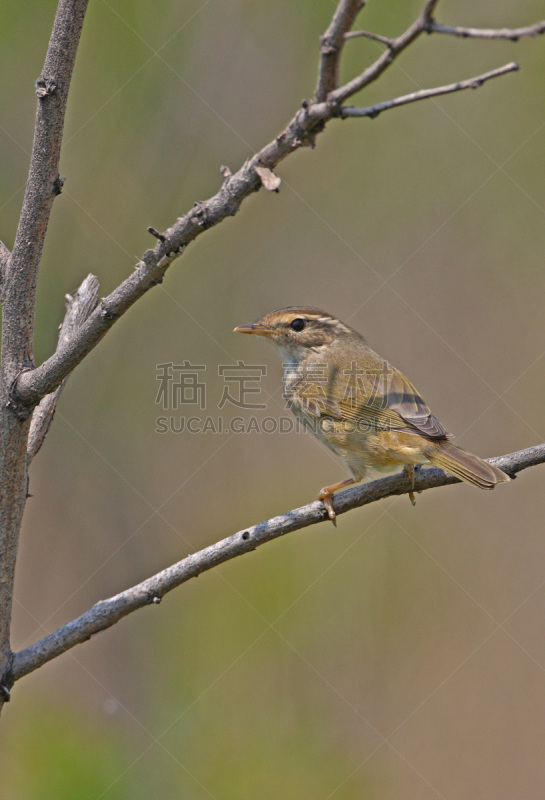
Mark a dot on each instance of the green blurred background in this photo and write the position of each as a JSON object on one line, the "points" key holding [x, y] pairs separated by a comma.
{"points": [[402, 655]]}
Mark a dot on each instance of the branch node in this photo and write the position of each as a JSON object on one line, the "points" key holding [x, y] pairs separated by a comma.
{"points": [[149, 258], [200, 214], [328, 47], [58, 183], [45, 87], [7, 679], [156, 599], [428, 25], [245, 535], [226, 173], [106, 312], [335, 108], [157, 234], [176, 251], [13, 403]]}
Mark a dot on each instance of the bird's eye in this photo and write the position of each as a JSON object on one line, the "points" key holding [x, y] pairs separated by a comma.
{"points": [[298, 324]]}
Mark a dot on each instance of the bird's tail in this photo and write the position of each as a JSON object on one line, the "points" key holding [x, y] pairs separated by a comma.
{"points": [[466, 466]]}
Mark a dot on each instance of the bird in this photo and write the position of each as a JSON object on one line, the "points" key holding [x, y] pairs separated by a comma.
{"points": [[359, 405]]}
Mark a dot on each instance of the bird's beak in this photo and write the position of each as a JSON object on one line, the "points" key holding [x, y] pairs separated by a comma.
{"points": [[254, 327]]}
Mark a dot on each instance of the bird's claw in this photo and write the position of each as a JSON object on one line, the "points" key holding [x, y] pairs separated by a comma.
{"points": [[327, 500], [409, 471]]}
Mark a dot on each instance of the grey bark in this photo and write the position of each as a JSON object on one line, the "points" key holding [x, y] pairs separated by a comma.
{"points": [[107, 612], [78, 309], [19, 295]]}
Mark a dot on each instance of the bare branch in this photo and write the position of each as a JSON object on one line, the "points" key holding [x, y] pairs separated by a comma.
{"points": [[513, 34], [44, 183], [78, 309], [332, 45], [19, 295], [423, 94], [107, 612]]}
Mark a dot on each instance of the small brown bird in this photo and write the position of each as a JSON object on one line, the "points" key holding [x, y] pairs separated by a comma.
{"points": [[358, 404]]}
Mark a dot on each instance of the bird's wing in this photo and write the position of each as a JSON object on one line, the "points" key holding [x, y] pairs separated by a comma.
{"points": [[403, 399], [315, 403], [379, 400]]}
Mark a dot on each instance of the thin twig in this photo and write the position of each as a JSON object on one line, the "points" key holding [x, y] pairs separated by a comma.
{"points": [[332, 45], [78, 308], [513, 34], [423, 94], [156, 233], [376, 37], [106, 613], [395, 47]]}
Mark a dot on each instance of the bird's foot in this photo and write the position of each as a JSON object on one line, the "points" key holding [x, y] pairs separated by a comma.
{"points": [[327, 500], [409, 471], [326, 496]]}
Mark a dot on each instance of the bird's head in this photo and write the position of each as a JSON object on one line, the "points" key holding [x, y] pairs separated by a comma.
{"points": [[299, 330]]}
